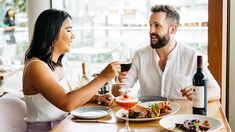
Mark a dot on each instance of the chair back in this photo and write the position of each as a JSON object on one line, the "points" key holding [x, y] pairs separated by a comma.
{"points": [[12, 114]]}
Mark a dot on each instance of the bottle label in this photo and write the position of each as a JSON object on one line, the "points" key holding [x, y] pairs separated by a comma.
{"points": [[198, 96]]}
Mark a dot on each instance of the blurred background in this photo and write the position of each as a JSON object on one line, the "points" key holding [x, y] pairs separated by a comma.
{"points": [[103, 28]]}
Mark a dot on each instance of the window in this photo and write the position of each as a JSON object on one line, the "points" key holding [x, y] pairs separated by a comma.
{"points": [[12, 52], [104, 27]]}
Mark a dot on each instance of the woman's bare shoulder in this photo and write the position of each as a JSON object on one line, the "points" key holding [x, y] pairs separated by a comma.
{"points": [[35, 63], [36, 67], [37, 74]]}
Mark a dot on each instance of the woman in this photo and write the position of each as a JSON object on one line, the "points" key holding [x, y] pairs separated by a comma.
{"points": [[47, 94], [9, 25]]}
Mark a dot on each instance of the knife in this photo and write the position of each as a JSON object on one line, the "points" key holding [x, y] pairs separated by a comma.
{"points": [[96, 121]]}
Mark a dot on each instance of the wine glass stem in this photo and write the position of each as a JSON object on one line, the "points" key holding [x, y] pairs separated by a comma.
{"points": [[127, 120], [116, 80]]}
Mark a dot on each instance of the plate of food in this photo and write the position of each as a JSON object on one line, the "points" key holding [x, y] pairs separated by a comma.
{"points": [[190, 122], [149, 111], [91, 112]]}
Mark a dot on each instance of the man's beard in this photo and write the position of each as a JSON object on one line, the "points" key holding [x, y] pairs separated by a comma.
{"points": [[161, 42]]}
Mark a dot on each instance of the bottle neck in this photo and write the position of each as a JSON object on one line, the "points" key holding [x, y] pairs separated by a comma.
{"points": [[199, 64], [199, 69], [83, 68]]}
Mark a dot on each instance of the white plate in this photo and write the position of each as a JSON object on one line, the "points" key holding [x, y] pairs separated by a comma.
{"points": [[169, 122], [174, 106], [91, 112]]}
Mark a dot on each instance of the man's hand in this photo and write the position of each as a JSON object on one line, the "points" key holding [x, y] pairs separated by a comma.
{"points": [[122, 77], [187, 92], [105, 99], [117, 88]]}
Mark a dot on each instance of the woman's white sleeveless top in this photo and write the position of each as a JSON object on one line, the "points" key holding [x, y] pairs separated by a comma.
{"points": [[41, 110]]}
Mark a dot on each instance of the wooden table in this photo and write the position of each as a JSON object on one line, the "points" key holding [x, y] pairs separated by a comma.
{"points": [[68, 125]]}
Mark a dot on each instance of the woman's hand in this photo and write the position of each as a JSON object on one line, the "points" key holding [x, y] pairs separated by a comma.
{"points": [[187, 92], [106, 99], [111, 71]]}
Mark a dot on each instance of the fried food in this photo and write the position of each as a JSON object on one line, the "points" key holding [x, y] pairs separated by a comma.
{"points": [[154, 110], [160, 109], [138, 112]]}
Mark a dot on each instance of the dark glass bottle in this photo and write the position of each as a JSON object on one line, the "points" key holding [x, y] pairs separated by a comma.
{"points": [[106, 88], [199, 89]]}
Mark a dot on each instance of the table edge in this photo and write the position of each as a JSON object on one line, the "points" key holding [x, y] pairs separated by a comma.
{"points": [[225, 121]]}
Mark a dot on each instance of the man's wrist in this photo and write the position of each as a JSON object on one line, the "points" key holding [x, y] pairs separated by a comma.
{"points": [[94, 98]]}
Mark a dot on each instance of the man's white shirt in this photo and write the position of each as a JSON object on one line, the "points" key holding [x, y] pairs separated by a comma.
{"points": [[180, 67]]}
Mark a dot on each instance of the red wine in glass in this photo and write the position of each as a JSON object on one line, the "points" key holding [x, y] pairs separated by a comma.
{"points": [[125, 66]]}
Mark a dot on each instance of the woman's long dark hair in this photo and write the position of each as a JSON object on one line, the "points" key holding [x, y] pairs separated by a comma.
{"points": [[46, 32]]}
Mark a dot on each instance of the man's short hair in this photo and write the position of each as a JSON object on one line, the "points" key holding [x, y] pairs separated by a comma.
{"points": [[171, 14]]}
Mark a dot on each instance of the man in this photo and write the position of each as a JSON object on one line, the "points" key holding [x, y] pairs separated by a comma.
{"points": [[166, 67]]}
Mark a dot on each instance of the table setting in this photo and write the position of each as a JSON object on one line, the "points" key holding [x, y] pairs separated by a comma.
{"points": [[95, 117]]}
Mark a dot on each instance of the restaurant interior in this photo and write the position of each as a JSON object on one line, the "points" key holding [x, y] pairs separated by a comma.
{"points": [[103, 30]]}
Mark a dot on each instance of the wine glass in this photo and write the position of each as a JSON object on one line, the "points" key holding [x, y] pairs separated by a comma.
{"points": [[126, 102], [125, 63], [125, 66]]}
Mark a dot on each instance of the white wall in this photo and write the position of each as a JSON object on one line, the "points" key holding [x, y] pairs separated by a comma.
{"points": [[57, 4], [34, 8], [232, 68]]}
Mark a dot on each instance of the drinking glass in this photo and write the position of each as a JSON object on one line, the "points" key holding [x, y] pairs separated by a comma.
{"points": [[125, 63], [126, 60], [126, 104]]}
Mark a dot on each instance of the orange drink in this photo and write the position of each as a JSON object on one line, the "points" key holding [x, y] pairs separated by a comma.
{"points": [[126, 103]]}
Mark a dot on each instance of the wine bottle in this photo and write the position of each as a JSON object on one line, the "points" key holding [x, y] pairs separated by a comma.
{"points": [[105, 88], [84, 79], [199, 96]]}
